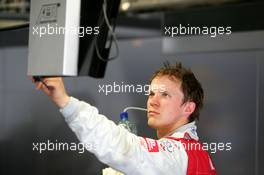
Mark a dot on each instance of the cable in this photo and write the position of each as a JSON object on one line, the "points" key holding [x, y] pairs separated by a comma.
{"points": [[136, 108], [112, 34]]}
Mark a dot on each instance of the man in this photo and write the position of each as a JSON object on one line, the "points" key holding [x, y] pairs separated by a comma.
{"points": [[174, 103]]}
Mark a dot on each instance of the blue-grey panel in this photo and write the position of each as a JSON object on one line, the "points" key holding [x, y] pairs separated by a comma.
{"points": [[203, 43], [260, 121], [2, 158], [229, 115], [15, 69], [2, 71], [229, 80], [32, 117]]}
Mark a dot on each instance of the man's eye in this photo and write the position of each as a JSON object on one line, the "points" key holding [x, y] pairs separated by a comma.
{"points": [[164, 94], [151, 94]]}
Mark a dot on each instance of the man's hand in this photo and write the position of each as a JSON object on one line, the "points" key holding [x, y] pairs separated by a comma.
{"points": [[55, 89]]}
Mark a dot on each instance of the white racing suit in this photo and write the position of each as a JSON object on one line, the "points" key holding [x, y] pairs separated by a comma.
{"points": [[124, 151]]}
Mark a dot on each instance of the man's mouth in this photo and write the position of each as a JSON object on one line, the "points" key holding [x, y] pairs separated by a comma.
{"points": [[153, 113]]}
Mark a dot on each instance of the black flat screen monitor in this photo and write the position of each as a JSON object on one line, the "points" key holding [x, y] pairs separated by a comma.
{"points": [[92, 16]]}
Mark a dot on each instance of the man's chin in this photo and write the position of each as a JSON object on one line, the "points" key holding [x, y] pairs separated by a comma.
{"points": [[152, 123]]}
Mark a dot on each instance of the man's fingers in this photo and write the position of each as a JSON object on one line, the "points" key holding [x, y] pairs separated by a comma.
{"points": [[54, 88], [38, 85], [50, 82]]}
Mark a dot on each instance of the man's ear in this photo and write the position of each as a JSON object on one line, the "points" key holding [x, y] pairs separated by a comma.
{"points": [[189, 108]]}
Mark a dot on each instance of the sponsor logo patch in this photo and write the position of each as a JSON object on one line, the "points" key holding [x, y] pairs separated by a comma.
{"points": [[152, 145]]}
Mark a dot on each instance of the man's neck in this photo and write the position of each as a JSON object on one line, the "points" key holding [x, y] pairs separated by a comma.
{"points": [[164, 132]]}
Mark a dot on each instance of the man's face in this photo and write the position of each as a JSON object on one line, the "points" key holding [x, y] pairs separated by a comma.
{"points": [[164, 104]]}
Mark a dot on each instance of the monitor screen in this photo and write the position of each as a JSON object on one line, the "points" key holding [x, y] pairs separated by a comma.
{"points": [[94, 49]]}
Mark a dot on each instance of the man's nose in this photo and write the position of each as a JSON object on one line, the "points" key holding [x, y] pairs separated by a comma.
{"points": [[154, 101]]}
